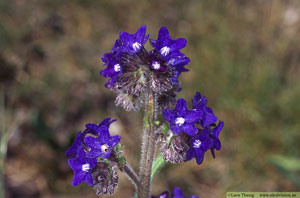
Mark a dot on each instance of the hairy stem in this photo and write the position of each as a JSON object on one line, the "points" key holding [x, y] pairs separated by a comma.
{"points": [[130, 173], [148, 147]]}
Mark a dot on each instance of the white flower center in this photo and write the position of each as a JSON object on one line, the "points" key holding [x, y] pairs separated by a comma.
{"points": [[117, 67], [136, 46], [165, 51], [197, 144], [104, 148], [156, 65], [179, 121], [85, 167]]}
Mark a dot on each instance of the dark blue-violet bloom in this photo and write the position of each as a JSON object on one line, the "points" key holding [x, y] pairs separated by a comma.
{"points": [[77, 144], [133, 43], [94, 128], [73, 150], [169, 50], [178, 194], [82, 167], [199, 143], [166, 45], [214, 134], [181, 119], [113, 69], [102, 145], [178, 65], [200, 103], [112, 62]]}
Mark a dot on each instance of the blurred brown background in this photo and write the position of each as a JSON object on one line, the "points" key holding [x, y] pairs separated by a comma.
{"points": [[245, 57]]}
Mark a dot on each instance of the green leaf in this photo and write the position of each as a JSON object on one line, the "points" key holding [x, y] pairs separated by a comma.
{"points": [[288, 166], [286, 163], [158, 163]]}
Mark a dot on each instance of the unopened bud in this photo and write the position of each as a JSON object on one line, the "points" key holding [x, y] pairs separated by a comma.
{"points": [[105, 179]]}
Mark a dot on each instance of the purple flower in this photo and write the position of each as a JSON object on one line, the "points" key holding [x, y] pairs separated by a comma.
{"points": [[200, 103], [113, 69], [178, 194], [102, 145], [181, 119], [73, 150], [200, 143], [214, 134], [130, 66], [179, 64], [169, 50], [82, 167], [166, 45], [94, 128], [133, 43], [157, 63]]}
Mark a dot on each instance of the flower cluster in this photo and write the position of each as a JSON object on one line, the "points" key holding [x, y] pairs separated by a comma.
{"points": [[195, 131], [146, 77], [131, 68], [89, 154], [176, 194]]}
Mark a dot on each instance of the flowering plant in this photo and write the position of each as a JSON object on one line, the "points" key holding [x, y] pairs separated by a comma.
{"points": [[150, 79]]}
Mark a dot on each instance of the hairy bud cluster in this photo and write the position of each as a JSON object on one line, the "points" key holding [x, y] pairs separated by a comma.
{"points": [[132, 68], [105, 179], [174, 150]]}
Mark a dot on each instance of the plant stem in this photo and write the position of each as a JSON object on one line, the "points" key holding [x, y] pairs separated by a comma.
{"points": [[148, 146], [130, 173]]}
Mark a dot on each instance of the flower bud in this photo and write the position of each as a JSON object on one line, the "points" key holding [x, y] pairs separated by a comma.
{"points": [[174, 150], [105, 179], [128, 102]]}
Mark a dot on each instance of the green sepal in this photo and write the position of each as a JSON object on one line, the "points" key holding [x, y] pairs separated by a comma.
{"points": [[100, 159], [165, 129], [121, 160], [118, 148]]}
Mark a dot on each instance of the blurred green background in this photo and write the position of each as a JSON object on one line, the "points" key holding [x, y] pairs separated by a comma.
{"points": [[245, 58]]}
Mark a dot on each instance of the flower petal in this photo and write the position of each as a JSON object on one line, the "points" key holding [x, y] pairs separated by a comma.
{"points": [[114, 140], [209, 119], [199, 102], [178, 44], [218, 129], [169, 115], [193, 116], [199, 156], [78, 178], [181, 107], [140, 35], [175, 129], [89, 179], [177, 192], [189, 129], [72, 150], [190, 154]]}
